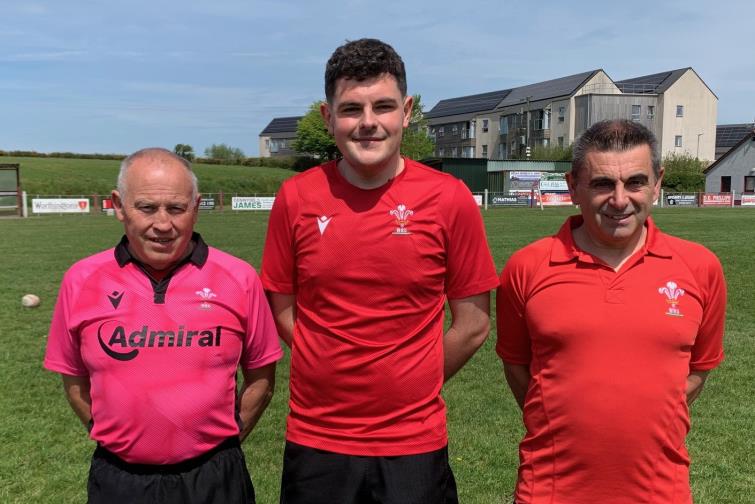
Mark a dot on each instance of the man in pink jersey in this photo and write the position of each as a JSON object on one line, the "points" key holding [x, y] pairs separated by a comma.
{"points": [[607, 332], [361, 255], [148, 337]]}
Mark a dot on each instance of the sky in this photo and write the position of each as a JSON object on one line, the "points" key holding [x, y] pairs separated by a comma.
{"points": [[114, 77]]}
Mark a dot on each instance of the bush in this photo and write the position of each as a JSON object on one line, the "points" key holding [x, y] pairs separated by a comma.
{"points": [[683, 173]]}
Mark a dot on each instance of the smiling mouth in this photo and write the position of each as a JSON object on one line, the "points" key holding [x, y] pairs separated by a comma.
{"points": [[160, 240], [618, 217]]}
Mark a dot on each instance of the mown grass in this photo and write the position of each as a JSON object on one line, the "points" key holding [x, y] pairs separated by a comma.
{"points": [[64, 176], [46, 452]]}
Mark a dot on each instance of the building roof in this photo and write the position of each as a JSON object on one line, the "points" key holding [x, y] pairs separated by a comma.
{"points": [[728, 135], [281, 125], [563, 86], [654, 83], [746, 138], [467, 104]]}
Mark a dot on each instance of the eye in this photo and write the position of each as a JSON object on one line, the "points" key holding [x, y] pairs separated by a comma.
{"points": [[176, 210], [146, 208], [635, 184]]}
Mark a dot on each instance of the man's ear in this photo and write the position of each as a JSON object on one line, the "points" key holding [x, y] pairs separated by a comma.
{"points": [[408, 106], [326, 114], [117, 204]]}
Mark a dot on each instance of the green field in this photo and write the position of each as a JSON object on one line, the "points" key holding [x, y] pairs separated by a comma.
{"points": [[61, 176], [46, 452]]}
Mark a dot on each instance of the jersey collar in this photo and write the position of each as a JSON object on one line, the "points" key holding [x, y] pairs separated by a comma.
{"points": [[197, 257], [565, 250]]}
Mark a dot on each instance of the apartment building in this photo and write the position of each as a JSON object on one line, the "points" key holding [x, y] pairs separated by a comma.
{"points": [[676, 105]]}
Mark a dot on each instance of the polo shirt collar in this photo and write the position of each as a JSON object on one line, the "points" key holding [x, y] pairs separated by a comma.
{"points": [[565, 250], [197, 257]]}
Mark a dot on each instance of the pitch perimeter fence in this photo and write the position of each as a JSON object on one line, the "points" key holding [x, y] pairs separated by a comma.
{"points": [[83, 204]]}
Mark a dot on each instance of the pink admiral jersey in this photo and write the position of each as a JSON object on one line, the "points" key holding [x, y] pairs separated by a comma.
{"points": [[161, 356]]}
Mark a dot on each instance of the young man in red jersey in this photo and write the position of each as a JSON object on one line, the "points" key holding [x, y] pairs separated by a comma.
{"points": [[360, 257], [148, 337], [607, 332]]}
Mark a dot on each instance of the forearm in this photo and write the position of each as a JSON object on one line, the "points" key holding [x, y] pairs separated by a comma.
{"points": [[695, 384], [283, 307], [254, 397], [458, 348], [518, 378], [77, 393], [470, 325]]}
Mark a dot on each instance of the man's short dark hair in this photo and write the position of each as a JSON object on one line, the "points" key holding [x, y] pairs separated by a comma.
{"points": [[614, 135], [363, 59]]}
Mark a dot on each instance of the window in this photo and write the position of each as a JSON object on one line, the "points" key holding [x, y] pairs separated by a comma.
{"points": [[561, 114], [502, 151], [504, 125], [441, 152], [680, 111], [484, 125], [455, 129], [485, 151], [636, 109], [651, 111], [678, 141], [546, 142], [726, 183], [440, 131], [560, 141], [749, 184], [454, 152]]}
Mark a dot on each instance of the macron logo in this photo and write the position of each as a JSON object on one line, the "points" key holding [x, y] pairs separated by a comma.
{"points": [[322, 223]]}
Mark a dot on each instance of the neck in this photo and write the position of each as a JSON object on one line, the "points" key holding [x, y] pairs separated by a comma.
{"points": [[370, 177], [613, 256]]}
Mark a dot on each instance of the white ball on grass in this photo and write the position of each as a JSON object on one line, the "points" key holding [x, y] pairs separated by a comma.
{"points": [[30, 301]]}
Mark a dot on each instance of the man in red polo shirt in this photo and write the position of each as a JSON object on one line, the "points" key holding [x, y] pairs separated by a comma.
{"points": [[360, 257], [607, 332], [148, 338]]}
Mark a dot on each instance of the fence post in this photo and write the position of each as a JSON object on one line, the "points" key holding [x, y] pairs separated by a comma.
{"points": [[663, 197], [24, 209], [220, 197], [485, 196]]}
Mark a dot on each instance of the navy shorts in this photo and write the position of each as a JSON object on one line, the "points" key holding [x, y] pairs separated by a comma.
{"points": [[312, 476], [218, 476]]}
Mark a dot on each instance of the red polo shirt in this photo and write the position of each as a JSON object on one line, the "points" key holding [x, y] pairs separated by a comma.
{"points": [[609, 353]]}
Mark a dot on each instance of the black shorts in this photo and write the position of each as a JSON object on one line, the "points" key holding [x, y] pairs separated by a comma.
{"points": [[312, 476], [218, 476]]}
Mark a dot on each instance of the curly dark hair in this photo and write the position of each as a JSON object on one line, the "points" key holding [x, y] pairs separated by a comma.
{"points": [[362, 59], [614, 135]]}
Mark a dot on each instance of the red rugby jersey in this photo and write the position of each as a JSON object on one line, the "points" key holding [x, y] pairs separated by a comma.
{"points": [[162, 362], [371, 270], [609, 353]]}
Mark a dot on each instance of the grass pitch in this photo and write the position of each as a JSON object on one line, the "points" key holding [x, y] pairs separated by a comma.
{"points": [[46, 452]]}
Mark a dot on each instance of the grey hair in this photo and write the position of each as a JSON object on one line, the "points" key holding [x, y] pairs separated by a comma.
{"points": [[155, 152], [614, 135]]}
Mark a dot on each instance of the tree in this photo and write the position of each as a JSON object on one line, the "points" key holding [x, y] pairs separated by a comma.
{"points": [[683, 173], [224, 152], [186, 151], [417, 142], [312, 135]]}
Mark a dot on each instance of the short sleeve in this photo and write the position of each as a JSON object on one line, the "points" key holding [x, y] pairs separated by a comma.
{"points": [[261, 345], [708, 351], [63, 353], [278, 258], [470, 269], [513, 344]]}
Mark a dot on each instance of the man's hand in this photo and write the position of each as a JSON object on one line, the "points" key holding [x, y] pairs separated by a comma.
{"points": [[283, 307], [254, 396], [470, 324], [77, 393]]}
